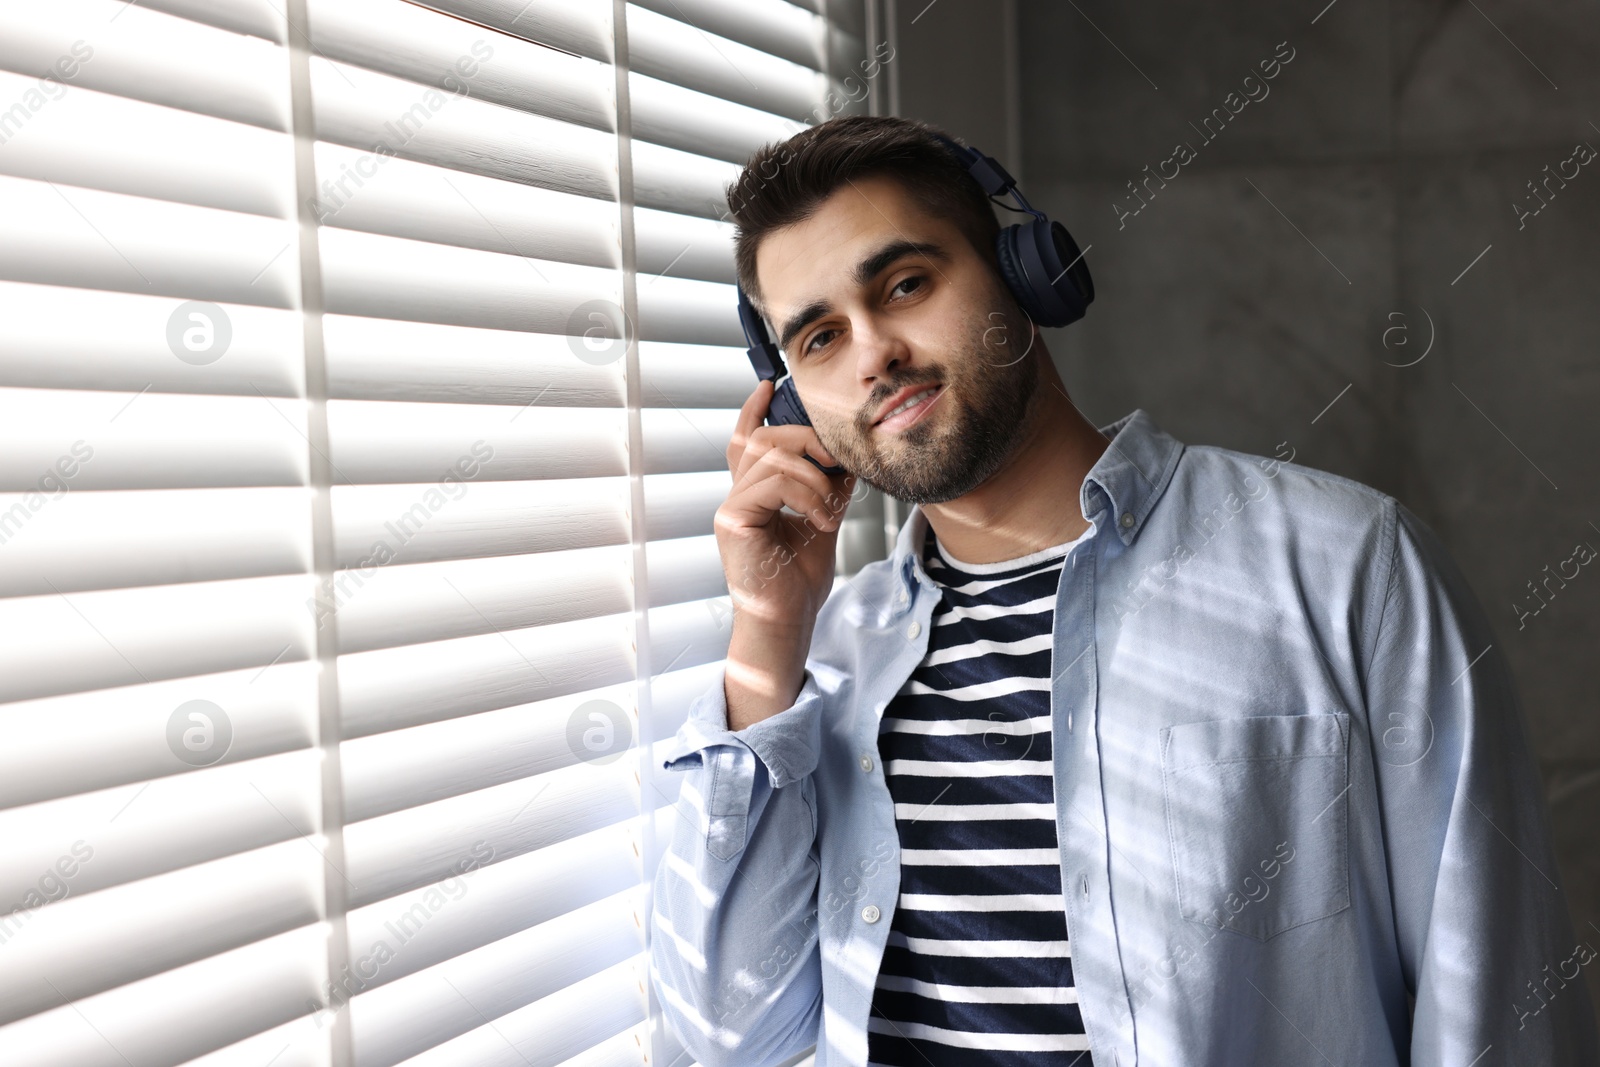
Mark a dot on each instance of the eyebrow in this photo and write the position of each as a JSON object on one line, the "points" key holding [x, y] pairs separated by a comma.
{"points": [[866, 270]]}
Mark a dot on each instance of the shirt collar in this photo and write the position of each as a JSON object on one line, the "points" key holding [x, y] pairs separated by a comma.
{"points": [[1125, 482]]}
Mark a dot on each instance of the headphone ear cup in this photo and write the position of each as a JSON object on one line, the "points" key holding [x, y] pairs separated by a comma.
{"points": [[1046, 250], [785, 408], [1011, 271], [1078, 273]]}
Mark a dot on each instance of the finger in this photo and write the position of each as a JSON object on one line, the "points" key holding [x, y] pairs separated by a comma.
{"points": [[751, 414], [763, 439], [820, 451], [782, 461], [755, 505]]}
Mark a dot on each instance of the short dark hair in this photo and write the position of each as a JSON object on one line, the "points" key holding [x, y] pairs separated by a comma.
{"points": [[784, 182]]}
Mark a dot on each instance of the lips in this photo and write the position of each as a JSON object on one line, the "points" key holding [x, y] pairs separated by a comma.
{"points": [[908, 405]]}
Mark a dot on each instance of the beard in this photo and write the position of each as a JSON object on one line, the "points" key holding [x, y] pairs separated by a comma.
{"points": [[987, 397]]}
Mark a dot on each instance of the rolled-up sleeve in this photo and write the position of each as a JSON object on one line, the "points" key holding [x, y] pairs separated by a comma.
{"points": [[1485, 938], [734, 953]]}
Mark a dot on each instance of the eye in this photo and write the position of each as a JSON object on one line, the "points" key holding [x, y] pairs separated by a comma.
{"points": [[919, 279], [919, 282], [810, 345]]}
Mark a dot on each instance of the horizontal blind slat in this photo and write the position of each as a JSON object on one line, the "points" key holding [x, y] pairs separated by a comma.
{"points": [[687, 635], [259, 18], [681, 440], [554, 1029], [390, 688], [376, 112], [104, 141], [676, 117], [682, 505], [582, 27], [506, 517], [119, 344], [401, 769], [619, 1050], [103, 440], [412, 443], [389, 359], [299, 1043], [181, 1013], [496, 518], [103, 638], [396, 278], [689, 312], [398, 197], [678, 375], [431, 49], [419, 1013], [68, 541], [777, 27], [85, 741], [684, 569], [502, 898], [670, 179], [151, 56], [413, 604], [99, 941], [683, 246], [850, 17], [142, 831], [410, 849], [91, 239], [685, 55]]}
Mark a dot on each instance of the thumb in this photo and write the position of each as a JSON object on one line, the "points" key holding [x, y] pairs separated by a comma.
{"points": [[818, 450]]}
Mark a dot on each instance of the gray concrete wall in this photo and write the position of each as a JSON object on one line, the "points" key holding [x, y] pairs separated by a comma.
{"points": [[1318, 241]]}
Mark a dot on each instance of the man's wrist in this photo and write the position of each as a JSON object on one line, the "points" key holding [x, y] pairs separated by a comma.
{"points": [[765, 669]]}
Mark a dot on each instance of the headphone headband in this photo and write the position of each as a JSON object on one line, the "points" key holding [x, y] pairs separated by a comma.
{"points": [[993, 178], [764, 355], [1039, 261]]}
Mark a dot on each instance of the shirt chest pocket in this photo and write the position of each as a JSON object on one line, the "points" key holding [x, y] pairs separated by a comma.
{"points": [[1256, 820]]}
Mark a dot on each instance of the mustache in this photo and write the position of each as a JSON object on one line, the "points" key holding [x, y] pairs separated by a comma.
{"points": [[884, 390]]}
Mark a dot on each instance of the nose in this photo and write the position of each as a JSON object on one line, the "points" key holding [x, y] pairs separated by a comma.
{"points": [[879, 352]]}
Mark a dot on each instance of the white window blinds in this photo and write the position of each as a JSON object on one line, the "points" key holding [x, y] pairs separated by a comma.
{"points": [[366, 368]]}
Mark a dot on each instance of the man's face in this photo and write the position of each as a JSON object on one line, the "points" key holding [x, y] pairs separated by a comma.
{"points": [[876, 305]]}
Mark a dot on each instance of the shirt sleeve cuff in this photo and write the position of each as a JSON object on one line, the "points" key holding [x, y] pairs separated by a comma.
{"points": [[787, 743]]}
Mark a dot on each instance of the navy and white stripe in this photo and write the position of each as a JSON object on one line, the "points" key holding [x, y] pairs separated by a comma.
{"points": [[978, 967]]}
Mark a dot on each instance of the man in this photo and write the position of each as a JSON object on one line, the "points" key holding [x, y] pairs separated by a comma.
{"points": [[1132, 753]]}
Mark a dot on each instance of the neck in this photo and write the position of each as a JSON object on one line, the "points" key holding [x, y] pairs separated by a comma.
{"points": [[1032, 502]]}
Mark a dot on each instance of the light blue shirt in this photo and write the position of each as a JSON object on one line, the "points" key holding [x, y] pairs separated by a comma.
{"points": [[1292, 785]]}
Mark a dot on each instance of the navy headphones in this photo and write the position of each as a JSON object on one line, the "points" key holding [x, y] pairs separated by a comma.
{"points": [[1039, 262]]}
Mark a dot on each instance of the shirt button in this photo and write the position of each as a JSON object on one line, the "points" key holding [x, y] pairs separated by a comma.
{"points": [[904, 596], [914, 629], [1127, 519], [870, 913], [866, 763]]}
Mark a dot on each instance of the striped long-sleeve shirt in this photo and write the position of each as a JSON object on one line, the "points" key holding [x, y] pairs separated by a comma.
{"points": [[978, 967]]}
